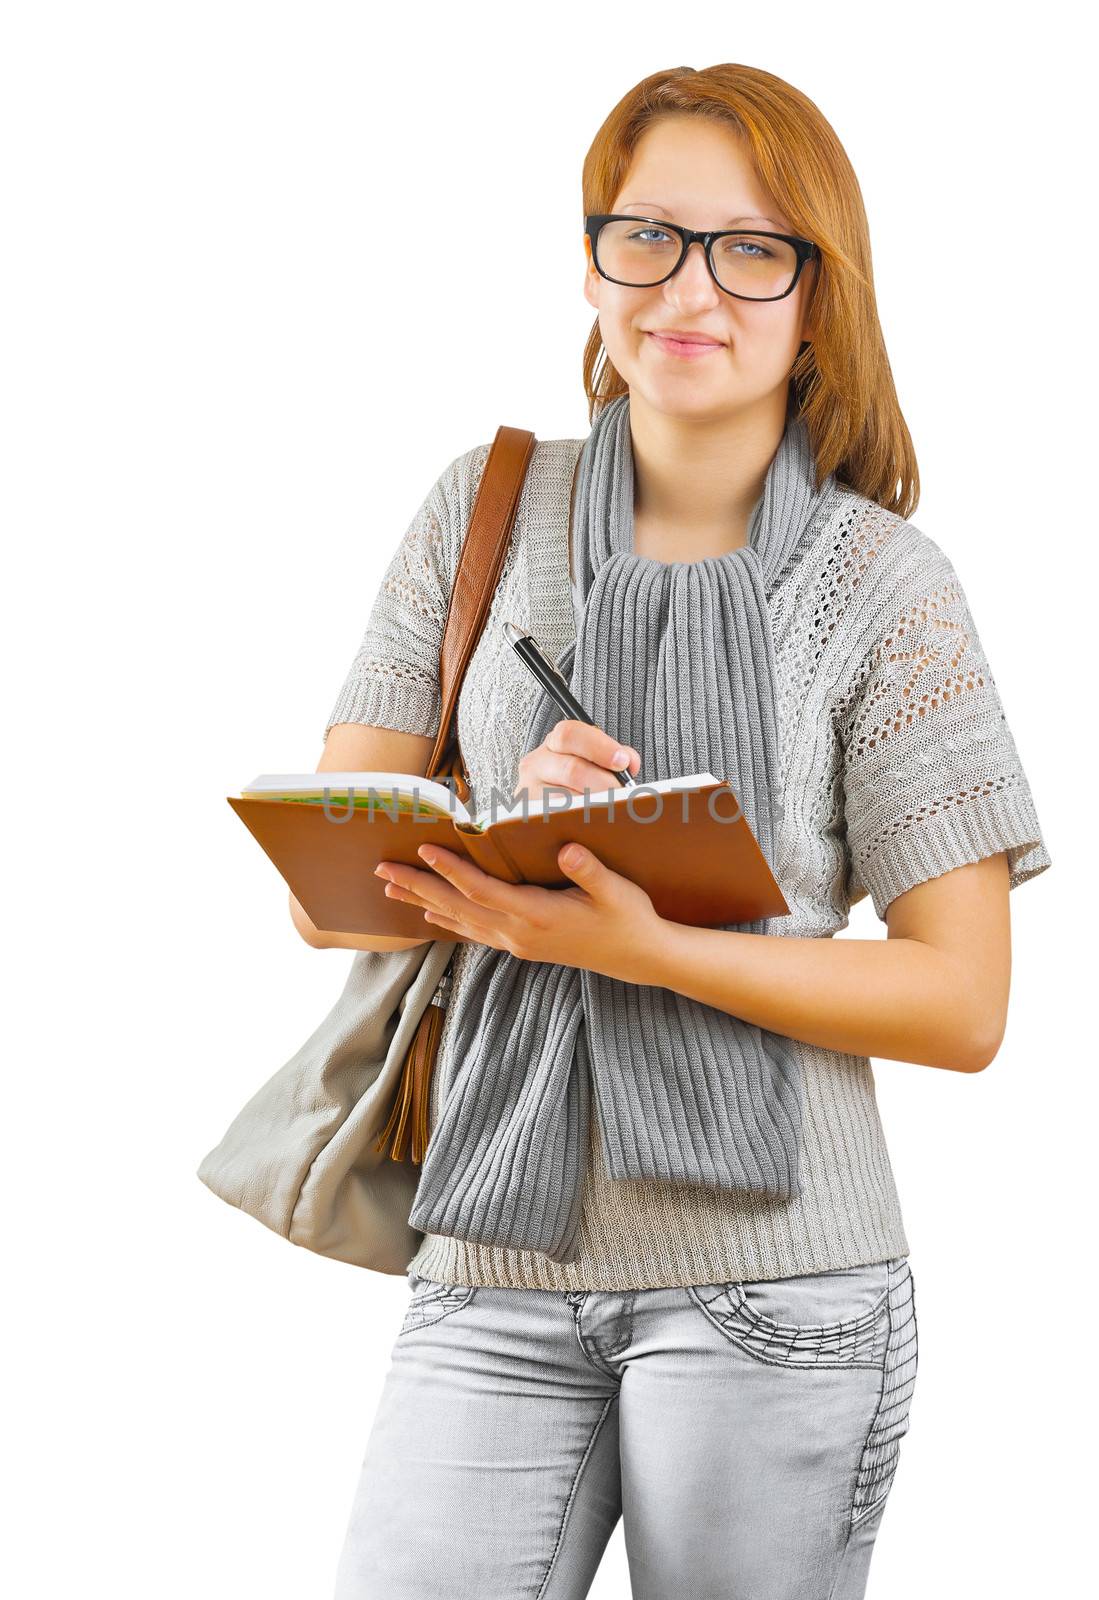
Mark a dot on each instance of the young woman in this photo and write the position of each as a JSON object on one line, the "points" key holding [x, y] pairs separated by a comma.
{"points": [[664, 1272]]}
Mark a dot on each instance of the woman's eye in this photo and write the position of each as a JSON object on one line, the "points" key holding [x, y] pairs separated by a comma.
{"points": [[744, 247]]}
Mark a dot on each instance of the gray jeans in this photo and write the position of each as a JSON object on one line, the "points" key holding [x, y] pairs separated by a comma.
{"points": [[747, 1434]]}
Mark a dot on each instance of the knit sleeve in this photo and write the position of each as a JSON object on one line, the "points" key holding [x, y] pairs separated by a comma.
{"points": [[393, 681], [932, 779]]}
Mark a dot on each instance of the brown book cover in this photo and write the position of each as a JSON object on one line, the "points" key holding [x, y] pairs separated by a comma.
{"points": [[683, 840]]}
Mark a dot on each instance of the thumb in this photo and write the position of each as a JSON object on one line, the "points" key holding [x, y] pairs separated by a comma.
{"points": [[580, 864]]}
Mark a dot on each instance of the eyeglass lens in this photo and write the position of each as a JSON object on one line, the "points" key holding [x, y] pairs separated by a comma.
{"points": [[642, 253]]}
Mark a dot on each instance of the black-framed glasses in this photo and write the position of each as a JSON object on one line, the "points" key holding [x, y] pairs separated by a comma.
{"points": [[641, 252]]}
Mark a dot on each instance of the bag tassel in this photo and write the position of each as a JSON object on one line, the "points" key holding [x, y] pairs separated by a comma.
{"points": [[412, 1104], [411, 1108]]}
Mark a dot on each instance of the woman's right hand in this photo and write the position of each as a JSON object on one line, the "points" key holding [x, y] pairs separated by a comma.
{"points": [[574, 756]]}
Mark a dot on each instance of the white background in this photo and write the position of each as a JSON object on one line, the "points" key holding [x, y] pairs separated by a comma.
{"points": [[253, 303]]}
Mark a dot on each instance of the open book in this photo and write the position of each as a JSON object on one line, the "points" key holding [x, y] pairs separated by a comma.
{"points": [[683, 840]]}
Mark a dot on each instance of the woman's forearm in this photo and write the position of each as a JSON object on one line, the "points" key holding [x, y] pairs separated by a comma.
{"points": [[895, 998]]}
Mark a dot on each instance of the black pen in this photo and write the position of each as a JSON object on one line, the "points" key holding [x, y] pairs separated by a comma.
{"points": [[526, 648]]}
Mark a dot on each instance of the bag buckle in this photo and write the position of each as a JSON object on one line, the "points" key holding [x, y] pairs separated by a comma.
{"points": [[443, 988]]}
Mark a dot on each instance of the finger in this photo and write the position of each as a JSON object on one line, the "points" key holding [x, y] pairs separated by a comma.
{"points": [[421, 888], [487, 913], [574, 773], [593, 744], [393, 891], [473, 885], [586, 870], [499, 914], [465, 925]]}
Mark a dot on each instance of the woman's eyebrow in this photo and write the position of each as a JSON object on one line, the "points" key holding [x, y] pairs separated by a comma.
{"points": [[733, 222]]}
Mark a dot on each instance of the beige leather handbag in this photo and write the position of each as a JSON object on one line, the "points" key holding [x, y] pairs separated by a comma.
{"points": [[327, 1153]]}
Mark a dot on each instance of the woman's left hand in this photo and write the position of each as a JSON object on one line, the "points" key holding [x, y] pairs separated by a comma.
{"points": [[605, 924]]}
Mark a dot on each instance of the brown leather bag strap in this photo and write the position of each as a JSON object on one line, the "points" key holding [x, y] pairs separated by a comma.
{"points": [[479, 567]]}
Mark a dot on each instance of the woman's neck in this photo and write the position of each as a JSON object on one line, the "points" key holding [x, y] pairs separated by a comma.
{"points": [[696, 484]]}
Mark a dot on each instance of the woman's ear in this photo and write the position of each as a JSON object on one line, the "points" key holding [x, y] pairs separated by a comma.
{"points": [[591, 277]]}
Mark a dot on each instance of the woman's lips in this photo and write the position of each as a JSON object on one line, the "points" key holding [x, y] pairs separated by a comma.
{"points": [[691, 351]]}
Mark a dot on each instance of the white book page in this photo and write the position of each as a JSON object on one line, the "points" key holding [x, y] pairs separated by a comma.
{"points": [[270, 784]]}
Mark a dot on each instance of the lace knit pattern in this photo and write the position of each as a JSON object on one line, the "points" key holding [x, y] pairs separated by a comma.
{"points": [[899, 766]]}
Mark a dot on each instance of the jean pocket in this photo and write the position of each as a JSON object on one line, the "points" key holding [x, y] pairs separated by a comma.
{"points": [[889, 1424], [431, 1302], [822, 1319]]}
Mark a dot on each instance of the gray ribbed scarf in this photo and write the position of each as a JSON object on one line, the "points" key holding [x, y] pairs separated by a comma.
{"points": [[676, 659]]}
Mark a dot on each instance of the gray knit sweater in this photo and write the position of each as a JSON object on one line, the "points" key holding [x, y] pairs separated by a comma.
{"points": [[899, 766]]}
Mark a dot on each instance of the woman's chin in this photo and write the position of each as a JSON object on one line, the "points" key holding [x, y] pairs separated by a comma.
{"points": [[696, 399]]}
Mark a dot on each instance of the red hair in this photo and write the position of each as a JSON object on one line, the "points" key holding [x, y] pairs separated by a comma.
{"points": [[841, 383]]}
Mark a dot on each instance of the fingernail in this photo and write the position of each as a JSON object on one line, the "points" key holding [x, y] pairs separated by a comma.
{"points": [[620, 758]]}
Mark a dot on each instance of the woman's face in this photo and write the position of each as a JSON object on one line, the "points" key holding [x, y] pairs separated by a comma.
{"points": [[698, 173]]}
